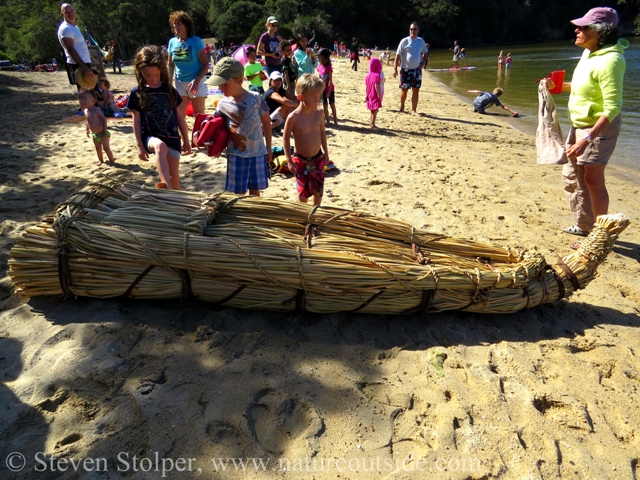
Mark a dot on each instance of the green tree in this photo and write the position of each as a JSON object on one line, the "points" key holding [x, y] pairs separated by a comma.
{"points": [[28, 30], [285, 11], [238, 20]]}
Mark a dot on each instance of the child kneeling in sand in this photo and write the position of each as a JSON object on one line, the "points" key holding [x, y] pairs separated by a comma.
{"points": [[487, 99], [97, 124], [307, 125], [156, 116]]}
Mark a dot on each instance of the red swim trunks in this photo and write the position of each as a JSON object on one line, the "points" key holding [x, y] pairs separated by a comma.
{"points": [[309, 172]]}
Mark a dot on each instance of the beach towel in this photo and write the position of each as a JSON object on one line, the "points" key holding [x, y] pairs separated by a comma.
{"points": [[549, 141]]}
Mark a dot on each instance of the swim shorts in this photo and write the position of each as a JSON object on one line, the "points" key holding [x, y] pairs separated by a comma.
{"points": [[108, 111], [329, 97], [309, 172], [244, 173], [98, 136], [411, 78]]}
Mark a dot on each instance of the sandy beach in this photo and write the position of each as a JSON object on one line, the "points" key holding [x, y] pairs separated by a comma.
{"points": [[112, 389]]}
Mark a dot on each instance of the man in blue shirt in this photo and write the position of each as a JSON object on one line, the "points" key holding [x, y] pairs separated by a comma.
{"points": [[410, 56]]}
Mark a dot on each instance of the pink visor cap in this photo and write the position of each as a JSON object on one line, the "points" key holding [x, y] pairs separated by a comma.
{"points": [[597, 15]]}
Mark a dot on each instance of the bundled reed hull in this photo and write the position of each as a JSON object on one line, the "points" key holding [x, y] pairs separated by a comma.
{"points": [[116, 240]]}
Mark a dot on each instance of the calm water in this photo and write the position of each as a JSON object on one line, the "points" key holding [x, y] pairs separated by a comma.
{"points": [[531, 62]]}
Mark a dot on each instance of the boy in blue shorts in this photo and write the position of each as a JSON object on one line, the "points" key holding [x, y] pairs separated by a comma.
{"points": [[249, 125]]}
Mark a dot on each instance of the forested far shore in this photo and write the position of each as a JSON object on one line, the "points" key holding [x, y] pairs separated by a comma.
{"points": [[28, 27]]}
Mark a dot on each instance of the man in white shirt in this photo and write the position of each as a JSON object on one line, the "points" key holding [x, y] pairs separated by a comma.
{"points": [[73, 43], [410, 56]]}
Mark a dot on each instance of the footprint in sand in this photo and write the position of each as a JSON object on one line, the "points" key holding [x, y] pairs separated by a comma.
{"points": [[275, 419], [565, 410], [68, 440], [223, 433]]}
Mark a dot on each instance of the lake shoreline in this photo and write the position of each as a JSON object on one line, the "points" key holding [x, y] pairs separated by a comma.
{"points": [[521, 91]]}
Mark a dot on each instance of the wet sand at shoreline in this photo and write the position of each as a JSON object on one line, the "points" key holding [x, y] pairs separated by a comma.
{"points": [[550, 392]]}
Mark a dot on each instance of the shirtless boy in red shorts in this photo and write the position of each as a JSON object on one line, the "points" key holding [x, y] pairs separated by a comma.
{"points": [[307, 125]]}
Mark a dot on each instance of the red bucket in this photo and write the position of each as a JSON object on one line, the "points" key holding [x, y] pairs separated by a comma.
{"points": [[557, 77]]}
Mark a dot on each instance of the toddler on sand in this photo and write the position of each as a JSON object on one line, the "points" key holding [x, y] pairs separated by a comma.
{"points": [[97, 124], [375, 92], [307, 126]]}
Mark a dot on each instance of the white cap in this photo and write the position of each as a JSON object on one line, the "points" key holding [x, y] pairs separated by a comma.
{"points": [[275, 75]]}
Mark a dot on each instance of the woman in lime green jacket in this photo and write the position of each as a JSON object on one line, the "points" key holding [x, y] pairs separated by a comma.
{"points": [[594, 113]]}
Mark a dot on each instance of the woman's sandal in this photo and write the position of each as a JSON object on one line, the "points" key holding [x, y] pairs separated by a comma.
{"points": [[162, 185], [574, 230]]}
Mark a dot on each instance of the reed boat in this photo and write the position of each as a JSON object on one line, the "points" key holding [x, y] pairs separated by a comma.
{"points": [[117, 240]]}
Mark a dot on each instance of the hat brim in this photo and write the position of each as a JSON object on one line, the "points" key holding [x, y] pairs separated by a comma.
{"points": [[581, 22], [84, 82], [216, 80]]}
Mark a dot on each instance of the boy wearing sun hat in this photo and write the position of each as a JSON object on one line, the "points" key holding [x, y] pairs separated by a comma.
{"points": [[249, 125]]}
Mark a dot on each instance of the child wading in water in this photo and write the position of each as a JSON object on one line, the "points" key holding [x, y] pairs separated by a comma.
{"points": [[97, 124], [156, 117], [306, 123], [373, 82], [325, 70]]}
